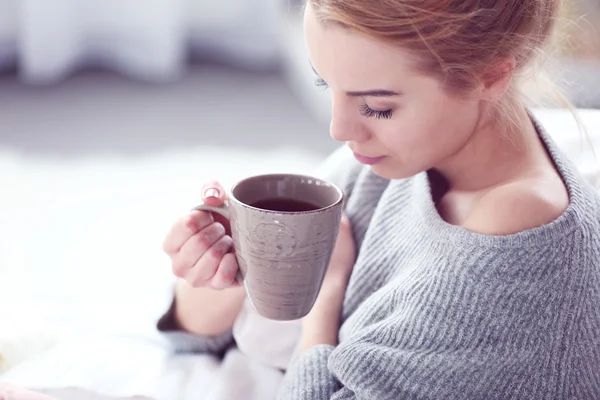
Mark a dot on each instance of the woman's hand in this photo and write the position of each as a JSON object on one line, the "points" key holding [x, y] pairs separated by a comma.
{"points": [[322, 324], [199, 245]]}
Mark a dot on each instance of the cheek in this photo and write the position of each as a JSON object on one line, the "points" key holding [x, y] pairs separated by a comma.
{"points": [[425, 135], [448, 123], [411, 129]]}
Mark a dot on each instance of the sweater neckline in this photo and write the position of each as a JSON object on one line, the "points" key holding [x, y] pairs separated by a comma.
{"points": [[567, 222]]}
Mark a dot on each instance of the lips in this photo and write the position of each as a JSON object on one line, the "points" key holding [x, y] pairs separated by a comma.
{"points": [[368, 160]]}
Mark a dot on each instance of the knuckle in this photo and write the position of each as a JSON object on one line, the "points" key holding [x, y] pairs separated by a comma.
{"points": [[209, 235], [227, 243], [179, 268], [228, 275], [202, 275], [217, 284], [230, 267], [189, 223], [196, 220], [218, 250], [197, 282], [166, 245], [225, 280], [205, 218], [205, 239], [214, 254], [222, 279], [206, 269], [219, 228]]}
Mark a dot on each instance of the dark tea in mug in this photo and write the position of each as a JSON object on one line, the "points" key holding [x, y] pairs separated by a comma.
{"points": [[282, 204]]}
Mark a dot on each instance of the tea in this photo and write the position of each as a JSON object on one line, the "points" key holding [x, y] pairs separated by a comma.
{"points": [[282, 204]]}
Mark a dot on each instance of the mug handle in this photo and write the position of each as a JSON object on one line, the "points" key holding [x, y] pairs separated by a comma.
{"points": [[222, 210]]}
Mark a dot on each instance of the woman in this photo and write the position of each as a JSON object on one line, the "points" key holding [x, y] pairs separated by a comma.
{"points": [[478, 272]]}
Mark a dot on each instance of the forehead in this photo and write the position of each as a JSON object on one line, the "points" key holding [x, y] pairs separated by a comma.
{"points": [[335, 50]]}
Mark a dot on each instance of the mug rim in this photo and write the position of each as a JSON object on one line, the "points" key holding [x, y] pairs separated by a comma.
{"points": [[339, 191]]}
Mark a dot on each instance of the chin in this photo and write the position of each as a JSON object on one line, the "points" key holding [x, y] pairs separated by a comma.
{"points": [[392, 172]]}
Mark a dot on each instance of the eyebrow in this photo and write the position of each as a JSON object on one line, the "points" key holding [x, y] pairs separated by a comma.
{"points": [[374, 93], [366, 93]]}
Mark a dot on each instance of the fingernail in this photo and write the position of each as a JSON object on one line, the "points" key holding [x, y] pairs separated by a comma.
{"points": [[211, 192]]}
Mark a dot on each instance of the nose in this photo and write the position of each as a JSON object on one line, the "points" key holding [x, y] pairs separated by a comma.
{"points": [[345, 124]]}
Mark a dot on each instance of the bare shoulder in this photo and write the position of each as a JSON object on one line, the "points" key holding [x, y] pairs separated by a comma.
{"points": [[518, 206]]}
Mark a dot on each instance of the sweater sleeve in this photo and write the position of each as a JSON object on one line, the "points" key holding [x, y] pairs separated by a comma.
{"points": [[309, 378], [184, 342]]}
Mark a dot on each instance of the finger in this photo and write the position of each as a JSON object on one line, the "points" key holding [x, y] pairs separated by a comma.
{"points": [[226, 272], [344, 219], [207, 266], [184, 229], [345, 224], [195, 247], [213, 194], [345, 234]]}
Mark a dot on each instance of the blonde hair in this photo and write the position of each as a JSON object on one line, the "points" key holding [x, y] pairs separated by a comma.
{"points": [[460, 40], [455, 40]]}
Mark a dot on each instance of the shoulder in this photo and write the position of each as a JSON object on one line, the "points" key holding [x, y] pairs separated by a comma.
{"points": [[519, 206]]}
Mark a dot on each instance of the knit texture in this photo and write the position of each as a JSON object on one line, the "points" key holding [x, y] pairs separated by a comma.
{"points": [[434, 311]]}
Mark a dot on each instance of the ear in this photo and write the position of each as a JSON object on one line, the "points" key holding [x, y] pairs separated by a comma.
{"points": [[497, 78]]}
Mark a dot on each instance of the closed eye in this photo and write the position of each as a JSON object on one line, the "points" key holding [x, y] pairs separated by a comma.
{"points": [[367, 111]]}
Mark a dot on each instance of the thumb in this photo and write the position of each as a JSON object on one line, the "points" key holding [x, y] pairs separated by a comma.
{"points": [[213, 194], [345, 225]]}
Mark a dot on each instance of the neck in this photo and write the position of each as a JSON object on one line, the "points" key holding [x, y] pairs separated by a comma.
{"points": [[494, 154]]}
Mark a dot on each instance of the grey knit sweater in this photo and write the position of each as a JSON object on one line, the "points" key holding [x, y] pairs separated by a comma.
{"points": [[434, 311]]}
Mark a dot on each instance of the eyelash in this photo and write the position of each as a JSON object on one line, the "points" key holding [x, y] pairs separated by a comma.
{"points": [[321, 83], [365, 110], [369, 112]]}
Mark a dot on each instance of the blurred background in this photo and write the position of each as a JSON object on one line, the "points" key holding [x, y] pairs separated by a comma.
{"points": [[135, 76], [146, 75], [112, 115]]}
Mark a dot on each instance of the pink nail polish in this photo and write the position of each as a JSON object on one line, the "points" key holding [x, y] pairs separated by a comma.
{"points": [[211, 192]]}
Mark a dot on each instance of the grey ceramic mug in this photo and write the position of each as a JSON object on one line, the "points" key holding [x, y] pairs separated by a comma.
{"points": [[284, 228]]}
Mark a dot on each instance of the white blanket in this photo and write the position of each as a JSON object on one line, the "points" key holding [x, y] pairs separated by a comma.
{"points": [[81, 265]]}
